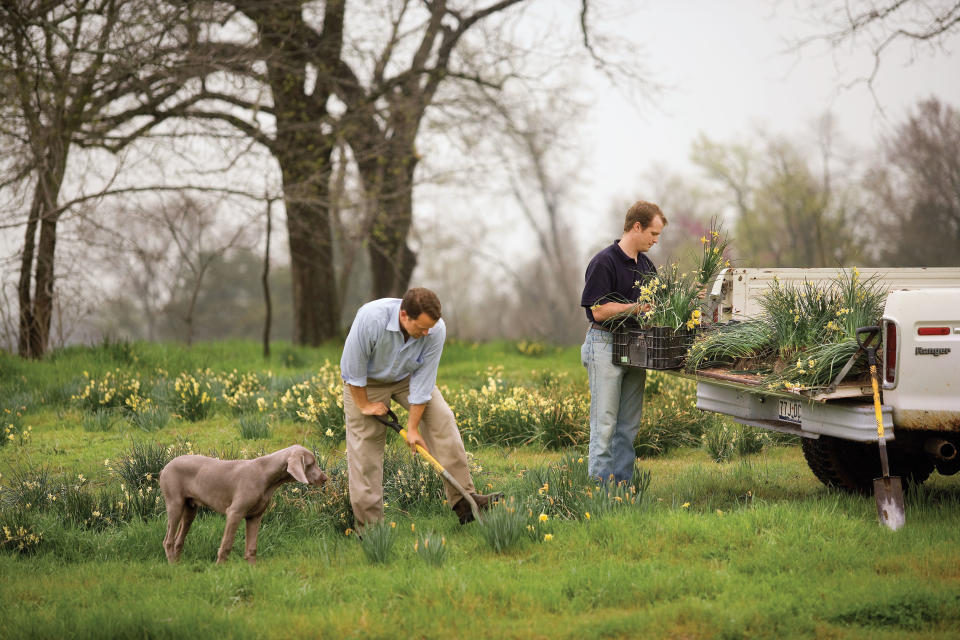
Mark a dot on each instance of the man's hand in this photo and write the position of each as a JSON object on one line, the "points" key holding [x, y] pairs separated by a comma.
{"points": [[414, 438], [374, 409]]}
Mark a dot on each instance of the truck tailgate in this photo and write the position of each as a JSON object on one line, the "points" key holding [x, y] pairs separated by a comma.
{"points": [[924, 386]]}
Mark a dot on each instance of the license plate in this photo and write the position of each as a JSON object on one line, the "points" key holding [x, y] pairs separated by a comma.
{"points": [[789, 411]]}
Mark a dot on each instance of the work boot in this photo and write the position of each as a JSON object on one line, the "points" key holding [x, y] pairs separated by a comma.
{"points": [[465, 513]]}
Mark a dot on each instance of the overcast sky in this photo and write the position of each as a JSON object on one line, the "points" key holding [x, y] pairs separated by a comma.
{"points": [[726, 69]]}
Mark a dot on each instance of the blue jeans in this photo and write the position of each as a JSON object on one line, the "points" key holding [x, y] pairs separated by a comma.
{"points": [[616, 406]]}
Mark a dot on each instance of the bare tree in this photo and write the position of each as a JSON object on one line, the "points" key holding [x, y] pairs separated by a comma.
{"points": [[158, 258], [879, 24], [916, 189], [386, 107], [77, 74], [190, 224], [533, 148]]}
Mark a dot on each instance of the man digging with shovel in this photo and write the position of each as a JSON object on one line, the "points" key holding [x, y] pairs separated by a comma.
{"points": [[392, 352]]}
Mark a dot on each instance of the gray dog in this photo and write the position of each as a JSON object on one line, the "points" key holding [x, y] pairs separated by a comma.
{"points": [[238, 488]]}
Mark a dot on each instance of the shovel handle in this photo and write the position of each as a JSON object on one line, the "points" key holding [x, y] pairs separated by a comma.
{"points": [[878, 412], [392, 422]]}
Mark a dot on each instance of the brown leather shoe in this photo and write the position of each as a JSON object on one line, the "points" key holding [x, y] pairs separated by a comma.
{"points": [[465, 513]]}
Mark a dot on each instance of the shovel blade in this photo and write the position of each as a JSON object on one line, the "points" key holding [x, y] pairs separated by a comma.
{"points": [[889, 494]]}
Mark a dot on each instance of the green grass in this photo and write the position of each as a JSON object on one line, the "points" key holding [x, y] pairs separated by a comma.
{"points": [[754, 547]]}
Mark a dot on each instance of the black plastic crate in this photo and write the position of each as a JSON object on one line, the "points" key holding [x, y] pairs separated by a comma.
{"points": [[653, 348]]}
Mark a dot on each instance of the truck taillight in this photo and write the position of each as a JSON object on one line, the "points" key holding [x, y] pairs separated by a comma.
{"points": [[890, 354], [933, 331]]}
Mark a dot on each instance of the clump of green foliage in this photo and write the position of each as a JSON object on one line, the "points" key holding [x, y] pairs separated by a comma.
{"points": [[378, 541], [804, 336], [431, 548]]}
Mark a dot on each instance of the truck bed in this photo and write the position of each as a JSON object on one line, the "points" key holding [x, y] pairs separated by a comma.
{"points": [[739, 379]]}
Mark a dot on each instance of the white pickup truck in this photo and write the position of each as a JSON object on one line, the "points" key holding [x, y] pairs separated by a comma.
{"points": [[920, 373]]}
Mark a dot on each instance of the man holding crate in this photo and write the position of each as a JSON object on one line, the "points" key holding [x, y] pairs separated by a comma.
{"points": [[611, 287]]}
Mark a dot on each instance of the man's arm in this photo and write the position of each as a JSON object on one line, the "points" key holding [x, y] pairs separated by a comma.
{"points": [[424, 378], [367, 408], [607, 310]]}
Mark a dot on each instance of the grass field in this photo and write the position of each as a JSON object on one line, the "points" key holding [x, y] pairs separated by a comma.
{"points": [[755, 547]]}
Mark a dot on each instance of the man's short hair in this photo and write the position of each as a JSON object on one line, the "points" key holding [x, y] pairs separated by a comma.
{"points": [[644, 213], [420, 300]]}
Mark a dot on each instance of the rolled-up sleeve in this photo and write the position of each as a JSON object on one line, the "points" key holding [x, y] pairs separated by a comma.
{"points": [[424, 379], [357, 350]]}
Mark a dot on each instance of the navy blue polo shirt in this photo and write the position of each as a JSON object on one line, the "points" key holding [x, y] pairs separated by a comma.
{"points": [[612, 276]]}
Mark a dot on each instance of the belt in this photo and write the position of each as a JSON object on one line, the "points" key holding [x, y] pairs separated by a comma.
{"points": [[599, 327]]}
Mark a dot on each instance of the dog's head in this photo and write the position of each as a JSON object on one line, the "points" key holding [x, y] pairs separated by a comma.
{"points": [[302, 465]]}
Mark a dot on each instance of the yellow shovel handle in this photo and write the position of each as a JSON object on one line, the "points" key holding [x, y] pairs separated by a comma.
{"points": [[446, 474], [426, 454], [391, 421], [876, 400]]}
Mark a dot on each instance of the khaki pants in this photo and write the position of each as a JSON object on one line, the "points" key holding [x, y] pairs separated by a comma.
{"points": [[366, 437]]}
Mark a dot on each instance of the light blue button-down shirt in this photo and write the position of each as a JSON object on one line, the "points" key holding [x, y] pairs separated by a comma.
{"points": [[375, 350]]}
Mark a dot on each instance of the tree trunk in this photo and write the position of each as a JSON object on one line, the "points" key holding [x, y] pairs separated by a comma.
{"points": [[26, 277], [391, 259], [305, 164], [43, 287], [265, 282], [36, 312], [304, 152]]}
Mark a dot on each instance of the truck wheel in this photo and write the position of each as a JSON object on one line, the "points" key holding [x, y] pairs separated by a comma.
{"points": [[852, 466]]}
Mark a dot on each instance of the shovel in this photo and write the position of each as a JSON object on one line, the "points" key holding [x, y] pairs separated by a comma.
{"points": [[888, 490], [394, 424]]}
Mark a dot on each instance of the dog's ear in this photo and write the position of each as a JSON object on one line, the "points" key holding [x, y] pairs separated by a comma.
{"points": [[295, 466]]}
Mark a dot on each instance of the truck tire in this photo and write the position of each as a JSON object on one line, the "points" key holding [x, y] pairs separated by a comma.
{"points": [[852, 466]]}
